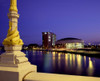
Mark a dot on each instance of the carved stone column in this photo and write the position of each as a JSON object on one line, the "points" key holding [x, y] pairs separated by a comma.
{"points": [[14, 66]]}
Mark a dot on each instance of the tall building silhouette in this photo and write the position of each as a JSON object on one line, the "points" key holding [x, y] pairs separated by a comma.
{"points": [[48, 39]]}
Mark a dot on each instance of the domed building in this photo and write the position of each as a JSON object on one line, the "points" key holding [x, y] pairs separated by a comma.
{"points": [[70, 43]]}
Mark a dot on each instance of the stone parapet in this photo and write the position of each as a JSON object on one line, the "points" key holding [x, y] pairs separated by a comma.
{"points": [[57, 77]]}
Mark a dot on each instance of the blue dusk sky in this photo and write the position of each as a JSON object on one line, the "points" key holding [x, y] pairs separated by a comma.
{"points": [[65, 18]]}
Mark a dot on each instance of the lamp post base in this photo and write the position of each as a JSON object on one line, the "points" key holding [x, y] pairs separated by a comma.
{"points": [[14, 66]]}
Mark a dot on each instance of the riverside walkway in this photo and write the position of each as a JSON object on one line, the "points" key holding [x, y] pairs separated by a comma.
{"points": [[81, 52]]}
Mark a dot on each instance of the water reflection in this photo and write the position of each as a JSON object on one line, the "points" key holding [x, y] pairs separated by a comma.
{"points": [[90, 67], [59, 60], [65, 63], [74, 60], [66, 60], [53, 57], [70, 57], [34, 51], [84, 61], [79, 64], [47, 62]]}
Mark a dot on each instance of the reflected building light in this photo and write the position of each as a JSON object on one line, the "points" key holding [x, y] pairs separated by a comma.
{"points": [[66, 60], [79, 63], [59, 59], [48, 52], [53, 57], [59, 56], [34, 52], [90, 63], [71, 60], [91, 67], [85, 61], [54, 54], [74, 60]]}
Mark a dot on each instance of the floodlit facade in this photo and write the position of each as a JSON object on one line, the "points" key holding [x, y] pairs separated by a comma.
{"points": [[48, 39], [70, 43]]}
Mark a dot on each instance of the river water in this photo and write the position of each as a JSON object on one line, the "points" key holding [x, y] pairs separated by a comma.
{"points": [[64, 63]]}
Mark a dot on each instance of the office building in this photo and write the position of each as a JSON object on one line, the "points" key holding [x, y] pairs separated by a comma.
{"points": [[48, 39]]}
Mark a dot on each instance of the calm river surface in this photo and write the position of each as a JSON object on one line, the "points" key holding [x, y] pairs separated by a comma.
{"points": [[64, 63]]}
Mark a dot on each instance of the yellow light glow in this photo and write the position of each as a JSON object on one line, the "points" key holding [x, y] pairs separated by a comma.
{"points": [[54, 54], [66, 59], [70, 60], [85, 60], [79, 65], [73, 59], [91, 67], [59, 59], [90, 64]]}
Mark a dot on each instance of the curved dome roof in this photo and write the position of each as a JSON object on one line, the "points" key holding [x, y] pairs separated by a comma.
{"points": [[69, 40]]}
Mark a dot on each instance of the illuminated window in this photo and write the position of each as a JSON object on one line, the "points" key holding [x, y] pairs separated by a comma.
{"points": [[49, 37], [45, 33], [49, 40], [53, 43]]}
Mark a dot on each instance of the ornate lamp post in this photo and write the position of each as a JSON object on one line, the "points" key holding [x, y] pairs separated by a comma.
{"points": [[14, 66]]}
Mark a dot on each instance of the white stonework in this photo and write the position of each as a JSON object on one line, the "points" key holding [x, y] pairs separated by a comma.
{"points": [[14, 66], [13, 17]]}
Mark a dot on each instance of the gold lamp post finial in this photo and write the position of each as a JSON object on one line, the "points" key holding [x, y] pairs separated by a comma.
{"points": [[13, 5]]}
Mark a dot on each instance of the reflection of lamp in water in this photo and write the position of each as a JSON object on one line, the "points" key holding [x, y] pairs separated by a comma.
{"points": [[90, 68], [41, 52], [59, 54], [59, 59], [73, 59], [53, 57], [34, 52], [79, 65], [53, 53], [85, 61], [48, 52], [66, 60]]}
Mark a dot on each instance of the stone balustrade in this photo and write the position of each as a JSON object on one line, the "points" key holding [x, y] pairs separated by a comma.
{"points": [[57, 77]]}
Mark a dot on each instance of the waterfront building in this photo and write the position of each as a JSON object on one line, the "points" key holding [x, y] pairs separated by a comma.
{"points": [[48, 39], [70, 43]]}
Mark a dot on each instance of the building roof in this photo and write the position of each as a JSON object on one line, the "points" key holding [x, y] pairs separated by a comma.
{"points": [[69, 40]]}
